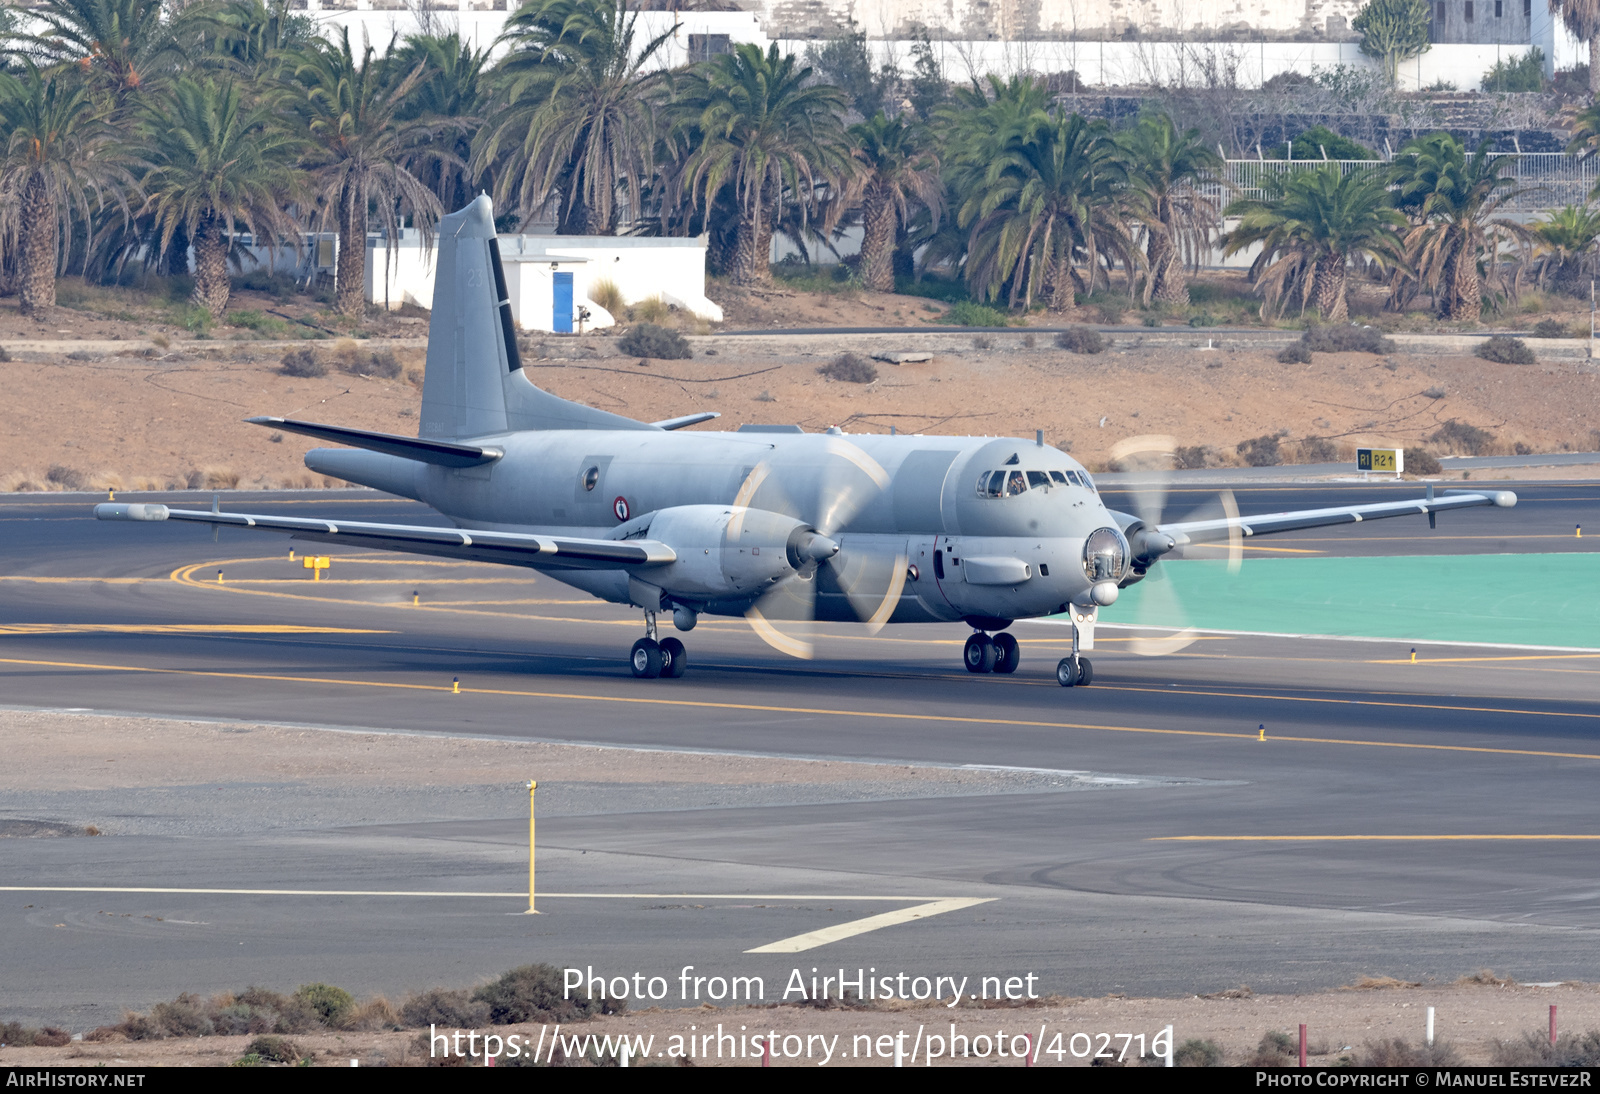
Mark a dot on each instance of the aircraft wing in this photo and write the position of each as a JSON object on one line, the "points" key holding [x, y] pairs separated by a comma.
{"points": [[513, 548], [1204, 531]]}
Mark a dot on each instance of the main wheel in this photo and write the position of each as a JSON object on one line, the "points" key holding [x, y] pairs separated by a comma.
{"points": [[1007, 654], [674, 659], [979, 654], [1085, 672], [1066, 673], [646, 659]]}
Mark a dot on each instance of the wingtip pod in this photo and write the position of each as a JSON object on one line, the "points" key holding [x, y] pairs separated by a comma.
{"points": [[1505, 499], [108, 510]]}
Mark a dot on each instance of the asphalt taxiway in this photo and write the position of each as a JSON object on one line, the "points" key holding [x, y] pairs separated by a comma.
{"points": [[1289, 813]]}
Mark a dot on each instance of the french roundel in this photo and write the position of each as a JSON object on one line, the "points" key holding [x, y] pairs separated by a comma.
{"points": [[620, 507]]}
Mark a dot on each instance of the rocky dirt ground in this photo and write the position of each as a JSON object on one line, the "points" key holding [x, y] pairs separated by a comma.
{"points": [[112, 399]]}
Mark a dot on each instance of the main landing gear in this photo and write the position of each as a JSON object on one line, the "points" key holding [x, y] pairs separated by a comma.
{"points": [[650, 659], [998, 654]]}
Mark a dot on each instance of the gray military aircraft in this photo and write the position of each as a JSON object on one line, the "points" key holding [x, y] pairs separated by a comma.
{"points": [[767, 522]]}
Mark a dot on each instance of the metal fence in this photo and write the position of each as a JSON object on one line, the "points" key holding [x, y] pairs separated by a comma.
{"points": [[1546, 180]]}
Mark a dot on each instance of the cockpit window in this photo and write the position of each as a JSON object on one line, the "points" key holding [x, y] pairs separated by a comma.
{"points": [[1011, 482], [1016, 484], [1038, 478], [1059, 477]]}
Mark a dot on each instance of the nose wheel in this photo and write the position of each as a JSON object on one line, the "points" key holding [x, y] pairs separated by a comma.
{"points": [[998, 654], [650, 659], [1074, 672]]}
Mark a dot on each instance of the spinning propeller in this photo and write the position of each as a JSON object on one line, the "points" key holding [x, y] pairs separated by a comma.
{"points": [[1151, 458], [827, 495]]}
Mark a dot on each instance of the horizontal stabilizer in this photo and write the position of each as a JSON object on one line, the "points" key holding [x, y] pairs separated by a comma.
{"points": [[443, 453], [687, 420]]}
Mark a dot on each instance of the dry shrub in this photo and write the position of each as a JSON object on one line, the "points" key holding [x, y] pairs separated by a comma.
{"points": [[414, 377], [279, 1050], [1317, 450], [1505, 350], [1458, 436], [444, 1007], [1485, 977], [1535, 1050], [357, 361], [1346, 339], [1081, 340], [649, 340], [652, 309], [373, 1015], [214, 478], [1243, 991], [328, 1002], [1550, 328], [1296, 353], [1419, 461], [1197, 1053], [850, 368], [185, 1016], [14, 1033], [1379, 983], [605, 293], [1193, 457], [63, 477], [1263, 451], [1277, 1049], [304, 363], [535, 993], [1396, 1052]]}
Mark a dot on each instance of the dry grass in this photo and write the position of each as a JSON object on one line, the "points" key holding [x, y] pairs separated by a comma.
{"points": [[605, 293], [1379, 983]]}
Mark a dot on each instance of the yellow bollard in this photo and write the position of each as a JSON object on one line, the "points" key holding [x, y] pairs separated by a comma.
{"points": [[455, 685], [1263, 733], [291, 554], [219, 577], [532, 786], [111, 495], [1413, 655], [414, 601]]}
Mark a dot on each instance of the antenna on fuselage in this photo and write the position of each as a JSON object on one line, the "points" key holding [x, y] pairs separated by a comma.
{"points": [[1038, 437]]}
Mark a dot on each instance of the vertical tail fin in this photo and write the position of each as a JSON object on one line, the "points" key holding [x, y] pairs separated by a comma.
{"points": [[474, 384]]}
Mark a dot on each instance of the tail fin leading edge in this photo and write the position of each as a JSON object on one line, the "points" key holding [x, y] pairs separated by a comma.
{"points": [[474, 384]]}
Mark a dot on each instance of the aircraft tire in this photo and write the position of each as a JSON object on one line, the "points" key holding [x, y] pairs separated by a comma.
{"points": [[674, 659], [979, 653], [1085, 672], [1066, 673], [1007, 654], [645, 659]]}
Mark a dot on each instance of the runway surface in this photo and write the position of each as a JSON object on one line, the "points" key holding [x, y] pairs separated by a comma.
{"points": [[1404, 819]]}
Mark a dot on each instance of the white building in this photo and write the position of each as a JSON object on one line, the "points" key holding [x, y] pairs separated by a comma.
{"points": [[552, 280]]}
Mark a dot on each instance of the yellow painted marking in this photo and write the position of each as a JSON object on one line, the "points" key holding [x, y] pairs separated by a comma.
{"points": [[176, 628], [812, 939], [413, 581], [1517, 657], [1349, 703], [1345, 839], [701, 704], [73, 580], [431, 892], [1255, 547]]}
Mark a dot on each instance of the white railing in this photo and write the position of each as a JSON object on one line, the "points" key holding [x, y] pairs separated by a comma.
{"points": [[1545, 180]]}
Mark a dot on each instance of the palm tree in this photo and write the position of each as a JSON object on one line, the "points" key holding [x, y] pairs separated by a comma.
{"points": [[352, 115], [1452, 197], [1310, 226], [898, 170], [214, 164], [250, 37], [453, 94], [58, 151], [1582, 20], [755, 122], [122, 44], [1050, 196], [1565, 246], [577, 115], [1166, 169]]}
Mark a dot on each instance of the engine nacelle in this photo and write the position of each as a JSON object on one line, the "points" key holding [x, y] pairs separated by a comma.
{"points": [[727, 552]]}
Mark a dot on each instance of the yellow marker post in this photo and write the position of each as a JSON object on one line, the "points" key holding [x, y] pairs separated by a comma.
{"points": [[455, 685], [532, 786], [316, 565], [414, 601], [219, 577], [291, 554], [1413, 655], [1263, 733], [111, 495]]}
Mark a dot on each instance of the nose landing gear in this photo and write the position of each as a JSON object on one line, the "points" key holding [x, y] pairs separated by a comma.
{"points": [[1074, 671], [998, 654], [650, 659]]}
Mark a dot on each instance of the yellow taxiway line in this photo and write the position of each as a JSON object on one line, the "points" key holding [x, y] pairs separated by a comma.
{"points": [[174, 890], [177, 628], [1351, 839], [658, 702]]}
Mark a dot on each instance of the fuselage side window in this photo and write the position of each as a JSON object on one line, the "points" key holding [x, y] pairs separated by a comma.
{"points": [[1038, 478]]}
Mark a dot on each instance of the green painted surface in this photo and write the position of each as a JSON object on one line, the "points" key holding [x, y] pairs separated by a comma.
{"points": [[1545, 600]]}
